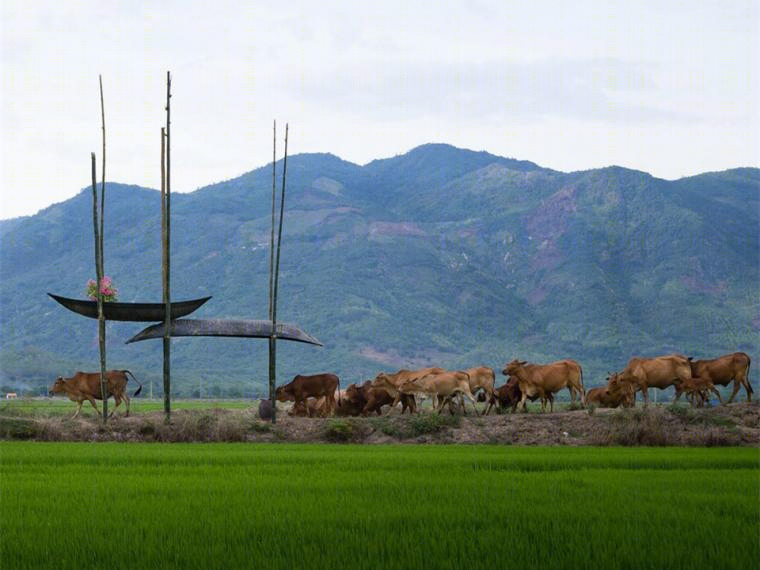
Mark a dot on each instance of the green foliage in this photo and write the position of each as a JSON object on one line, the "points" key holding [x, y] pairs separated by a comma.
{"points": [[423, 424], [338, 430], [438, 257]]}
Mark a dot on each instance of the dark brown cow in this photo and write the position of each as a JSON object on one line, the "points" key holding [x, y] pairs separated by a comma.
{"points": [[315, 386], [722, 370], [509, 395], [545, 379], [368, 399], [658, 372], [86, 386]]}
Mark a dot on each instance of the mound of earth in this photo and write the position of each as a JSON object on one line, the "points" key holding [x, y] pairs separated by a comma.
{"points": [[736, 424]]}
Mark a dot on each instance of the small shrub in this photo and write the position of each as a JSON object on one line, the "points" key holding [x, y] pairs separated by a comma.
{"points": [[17, 428], [339, 430], [147, 429], [591, 409], [423, 424], [260, 427], [681, 410]]}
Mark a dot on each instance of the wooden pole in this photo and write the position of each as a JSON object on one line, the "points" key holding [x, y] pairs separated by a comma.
{"points": [[101, 318], [166, 163], [99, 279], [272, 340]]}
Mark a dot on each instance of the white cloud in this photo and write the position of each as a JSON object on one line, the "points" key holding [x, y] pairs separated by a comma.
{"points": [[663, 87]]}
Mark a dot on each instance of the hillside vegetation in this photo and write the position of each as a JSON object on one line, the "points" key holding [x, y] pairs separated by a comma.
{"points": [[440, 256]]}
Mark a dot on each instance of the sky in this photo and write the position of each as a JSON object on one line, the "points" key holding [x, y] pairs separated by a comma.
{"points": [[664, 86]]}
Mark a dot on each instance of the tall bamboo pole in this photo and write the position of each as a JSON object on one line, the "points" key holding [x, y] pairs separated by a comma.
{"points": [[98, 279], [272, 340], [101, 317], [166, 254]]}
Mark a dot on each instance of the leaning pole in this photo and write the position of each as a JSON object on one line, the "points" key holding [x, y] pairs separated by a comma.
{"points": [[166, 241]]}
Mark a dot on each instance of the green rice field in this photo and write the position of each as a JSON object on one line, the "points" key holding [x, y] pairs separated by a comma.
{"points": [[202, 506]]}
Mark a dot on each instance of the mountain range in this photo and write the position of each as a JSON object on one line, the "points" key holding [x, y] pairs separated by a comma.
{"points": [[440, 256]]}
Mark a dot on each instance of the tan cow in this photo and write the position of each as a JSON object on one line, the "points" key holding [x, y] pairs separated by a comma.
{"points": [[446, 384], [538, 379], [481, 378], [86, 386], [393, 382], [723, 369], [658, 372]]}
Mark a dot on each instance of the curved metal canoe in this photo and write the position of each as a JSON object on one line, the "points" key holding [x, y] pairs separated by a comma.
{"points": [[141, 312], [226, 327]]}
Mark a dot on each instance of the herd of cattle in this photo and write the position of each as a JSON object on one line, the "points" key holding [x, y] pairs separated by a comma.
{"points": [[320, 394]]}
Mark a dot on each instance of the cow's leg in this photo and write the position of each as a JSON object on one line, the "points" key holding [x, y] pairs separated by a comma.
{"points": [[117, 401], [94, 405], [472, 401], [393, 405], [126, 402], [735, 391], [79, 409]]}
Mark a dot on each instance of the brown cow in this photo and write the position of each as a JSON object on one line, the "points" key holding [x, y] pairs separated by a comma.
{"points": [[658, 372], [392, 382], [86, 386], [507, 395], [538, 379], [315, 386], [723, 369], [367, 399], [612, 396], [448, 384], [309, 408]]}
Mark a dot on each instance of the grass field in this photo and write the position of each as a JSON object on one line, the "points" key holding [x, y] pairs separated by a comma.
{"points": [[319, 506], [60, 406]]}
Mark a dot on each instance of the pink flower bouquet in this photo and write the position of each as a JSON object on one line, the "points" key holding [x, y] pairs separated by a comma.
{"points": [[106, 288]]}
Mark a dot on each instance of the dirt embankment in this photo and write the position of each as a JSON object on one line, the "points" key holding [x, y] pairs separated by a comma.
{"points": [[733, 425]]}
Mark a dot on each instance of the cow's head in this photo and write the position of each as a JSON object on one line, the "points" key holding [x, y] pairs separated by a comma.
{"points": [[59, 387], [284, 394], [511, 368], [353, 393], [382, 381]]}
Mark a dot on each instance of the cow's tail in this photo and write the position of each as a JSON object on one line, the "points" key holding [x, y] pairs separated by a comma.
{"points": [[135, 379]]}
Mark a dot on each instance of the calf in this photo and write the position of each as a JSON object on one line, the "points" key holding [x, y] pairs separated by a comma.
{"points": [[697, 390]]}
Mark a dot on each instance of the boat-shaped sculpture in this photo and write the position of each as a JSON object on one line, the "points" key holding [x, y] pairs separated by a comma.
{"points": [[141, 312], [226, 327]]}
